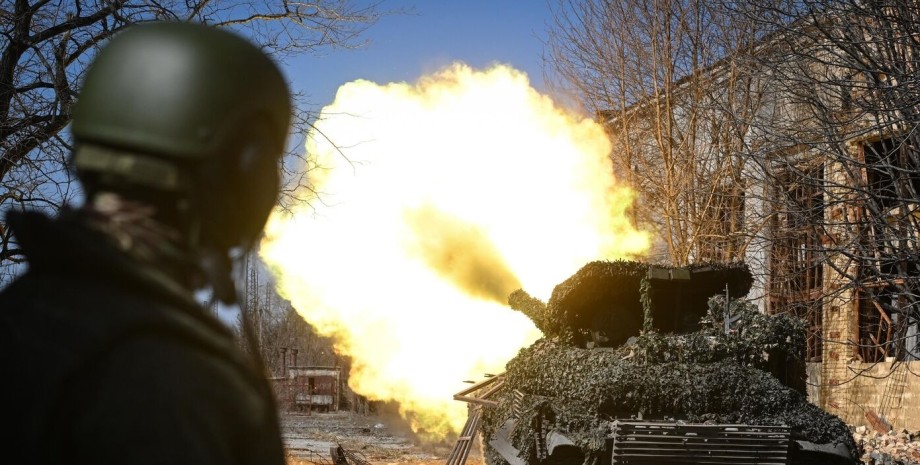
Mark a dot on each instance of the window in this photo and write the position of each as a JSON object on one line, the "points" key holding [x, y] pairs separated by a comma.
{"points": [[888, 294], [892, 171], [796, 271], [723, 222], [887, 327]]}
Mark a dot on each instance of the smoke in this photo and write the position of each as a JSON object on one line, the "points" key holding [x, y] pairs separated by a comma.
{"points": [[461, 253]]}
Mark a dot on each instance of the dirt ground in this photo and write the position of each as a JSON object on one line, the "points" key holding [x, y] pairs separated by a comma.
{"points": [[308, 439]]}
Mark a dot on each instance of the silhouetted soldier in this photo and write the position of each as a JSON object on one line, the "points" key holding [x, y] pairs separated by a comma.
{"points": [[106, 355]]}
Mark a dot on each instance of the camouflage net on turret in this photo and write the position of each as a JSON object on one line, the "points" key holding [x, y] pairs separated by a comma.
{"points": [[609, 296]]}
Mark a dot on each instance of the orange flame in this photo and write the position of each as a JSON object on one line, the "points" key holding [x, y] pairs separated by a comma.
{"points": [[436, 200]]}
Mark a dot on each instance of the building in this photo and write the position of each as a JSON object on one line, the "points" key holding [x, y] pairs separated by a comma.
{"points": [[798, 158], [307, 388]]}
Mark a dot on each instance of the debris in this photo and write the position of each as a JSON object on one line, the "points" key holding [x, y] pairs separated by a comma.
{"points": [[342, 456], [878, 423], [890, 447]]}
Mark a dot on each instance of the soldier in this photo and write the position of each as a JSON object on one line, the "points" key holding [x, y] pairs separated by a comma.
{"points": [[106, 355]]}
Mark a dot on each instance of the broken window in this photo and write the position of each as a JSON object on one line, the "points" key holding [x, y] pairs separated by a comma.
{"points": [[888, 328], [796, 269], [889, 265], [887, 299], [889, 210], [892, 171]]}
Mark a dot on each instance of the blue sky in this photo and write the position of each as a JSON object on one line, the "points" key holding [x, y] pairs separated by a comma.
{"points": [[431, 35]]}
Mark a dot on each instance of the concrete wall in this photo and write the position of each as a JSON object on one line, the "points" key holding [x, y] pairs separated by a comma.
{"points": [[813, 384]]}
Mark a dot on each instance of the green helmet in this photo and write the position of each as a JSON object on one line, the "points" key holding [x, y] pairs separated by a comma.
{"points": [[179, 90], [191, 111]]}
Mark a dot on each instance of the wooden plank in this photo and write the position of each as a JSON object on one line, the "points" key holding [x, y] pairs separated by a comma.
{"points": [[476, 400], [878, 346], [461, 450], [480, 385], [881, 311]]}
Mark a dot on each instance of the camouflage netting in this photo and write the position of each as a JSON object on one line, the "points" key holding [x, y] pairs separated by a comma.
{"points": [[775, 344], [702, 376], [580, 389], [606, 297]]}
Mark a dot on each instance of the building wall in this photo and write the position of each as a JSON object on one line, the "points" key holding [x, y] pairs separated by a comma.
{"points": [[886, 390], [855, 391], [858, 392], [308, 388], [838, 311], [813, 386]]}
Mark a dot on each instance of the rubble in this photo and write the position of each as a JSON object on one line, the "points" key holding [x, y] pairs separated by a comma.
{"points": [[626, 340], [891, 448], [379, 437]]}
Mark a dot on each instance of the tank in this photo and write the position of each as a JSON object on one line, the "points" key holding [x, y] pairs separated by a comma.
{"points": [[648, 364]]}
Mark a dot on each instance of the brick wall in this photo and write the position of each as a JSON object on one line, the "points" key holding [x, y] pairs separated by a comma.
{"points": [[857, 391], [892, 394], [843, 385], [839, 350]]}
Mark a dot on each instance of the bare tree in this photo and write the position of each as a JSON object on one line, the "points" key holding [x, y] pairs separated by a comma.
{"points": [[848, 72], [48, 43], [278, 331], [678, 101]]}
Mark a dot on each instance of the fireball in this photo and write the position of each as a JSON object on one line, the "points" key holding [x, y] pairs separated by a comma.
{"points": [[430, 203]]}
